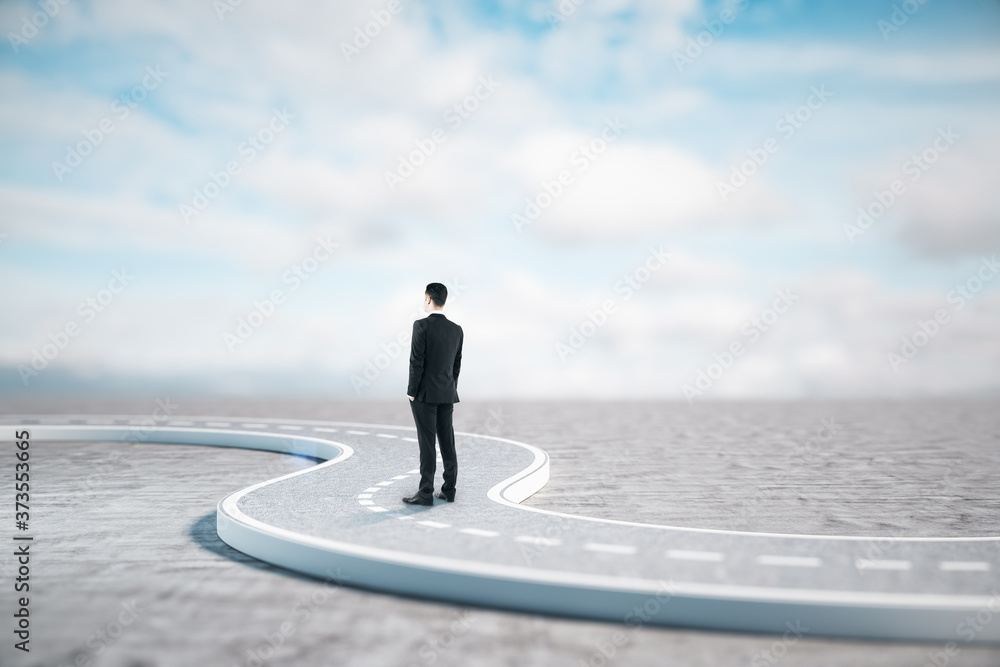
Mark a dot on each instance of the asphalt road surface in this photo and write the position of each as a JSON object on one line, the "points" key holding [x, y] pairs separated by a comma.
{"points": [[96, 558]]}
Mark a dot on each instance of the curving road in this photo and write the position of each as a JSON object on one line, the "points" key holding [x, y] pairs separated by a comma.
{"points": [[343, 519]]}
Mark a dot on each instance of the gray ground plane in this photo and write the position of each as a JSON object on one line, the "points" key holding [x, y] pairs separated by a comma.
{"points": [[343, 520]]}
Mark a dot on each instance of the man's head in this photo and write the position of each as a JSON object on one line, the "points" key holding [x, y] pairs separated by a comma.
{"points": [[435, 295]]}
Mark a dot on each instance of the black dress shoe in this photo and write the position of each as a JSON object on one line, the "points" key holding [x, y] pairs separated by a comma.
{"points": [[450, 499], [418, 500]]}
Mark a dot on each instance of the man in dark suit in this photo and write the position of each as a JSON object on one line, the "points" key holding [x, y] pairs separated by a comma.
{"points": [[435, 360]]}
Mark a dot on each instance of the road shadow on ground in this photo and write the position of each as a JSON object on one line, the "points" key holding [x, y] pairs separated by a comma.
{"points": [[203, 532]]}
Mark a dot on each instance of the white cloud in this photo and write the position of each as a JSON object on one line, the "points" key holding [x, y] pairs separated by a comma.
{"points": [[946, 204], [450, 220], [954, 208], [740, 58], [633, 188], [91, 224]]}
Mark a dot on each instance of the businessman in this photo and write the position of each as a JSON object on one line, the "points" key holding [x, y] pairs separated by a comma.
{"points": [[435, 359]]}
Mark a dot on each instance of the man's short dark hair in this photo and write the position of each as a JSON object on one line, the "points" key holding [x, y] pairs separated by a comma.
{"points": [[438, 294]]}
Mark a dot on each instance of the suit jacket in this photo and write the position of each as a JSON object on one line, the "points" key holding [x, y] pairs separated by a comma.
{"points": [[435, 359]]}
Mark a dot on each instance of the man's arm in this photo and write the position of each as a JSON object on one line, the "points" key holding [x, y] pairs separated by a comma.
{"points": [[458, 357], [418, 344]]}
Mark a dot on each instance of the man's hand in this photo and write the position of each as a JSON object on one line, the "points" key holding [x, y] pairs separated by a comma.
{"points": [[409, 397]]}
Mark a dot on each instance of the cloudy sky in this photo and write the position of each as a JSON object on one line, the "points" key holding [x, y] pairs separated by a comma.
{"points": [[655, 199]]}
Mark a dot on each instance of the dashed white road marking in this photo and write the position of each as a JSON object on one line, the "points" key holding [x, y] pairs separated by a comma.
{"points": [[790, 561], [867, 564], [414, 471], [621, 549], [705, 556], [478, 532], [365, 499], [537, 541], [964, 566]]}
